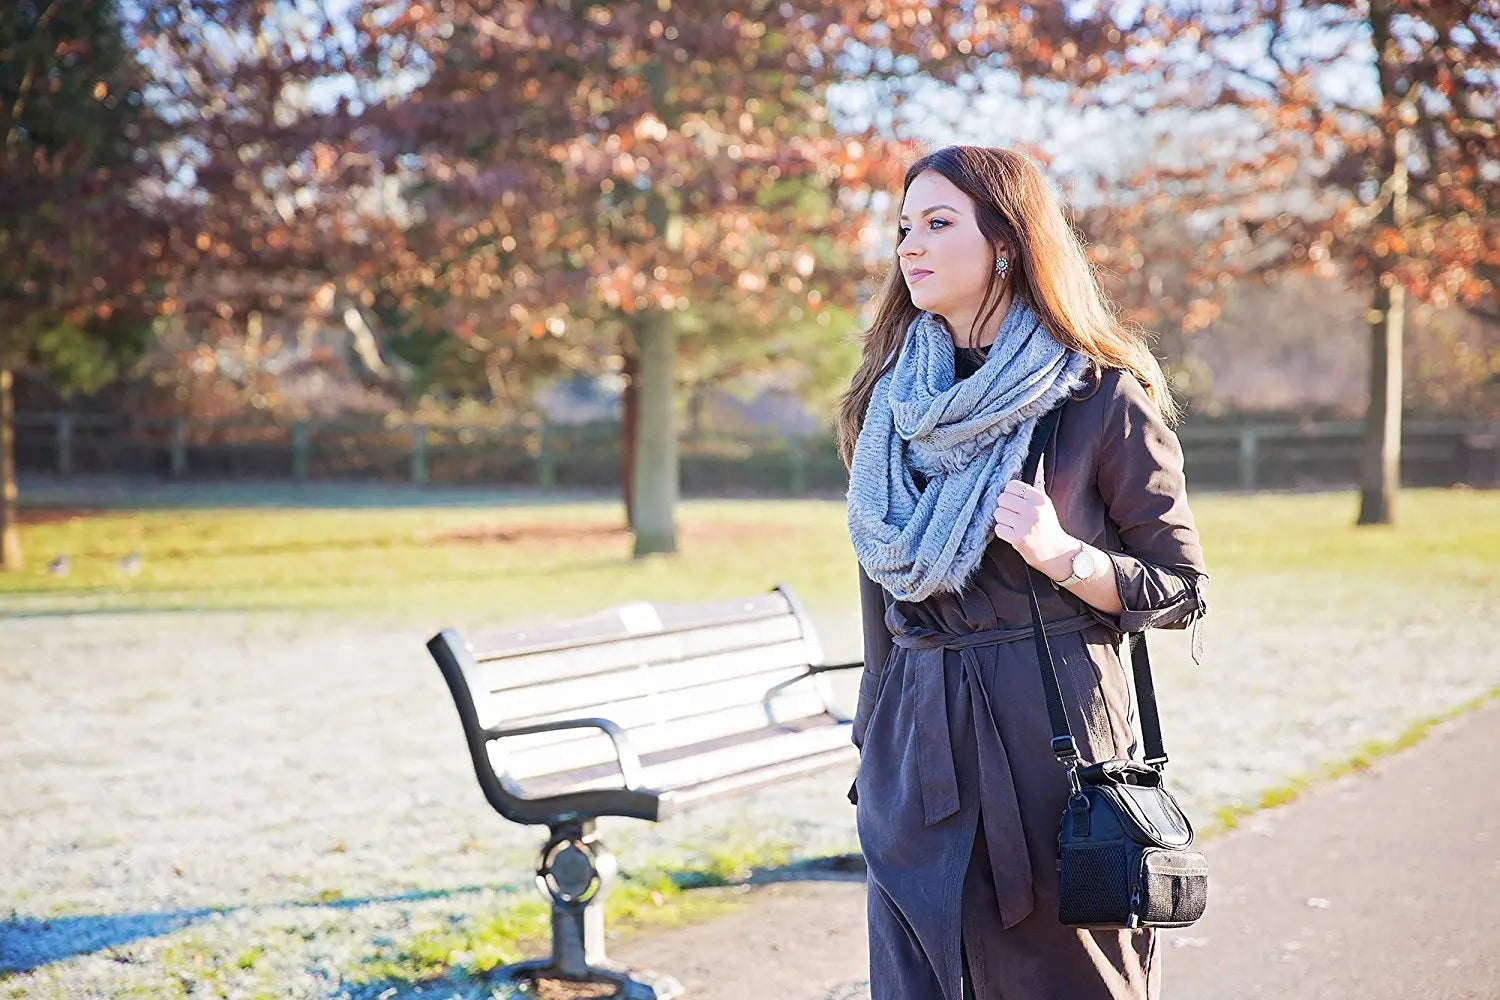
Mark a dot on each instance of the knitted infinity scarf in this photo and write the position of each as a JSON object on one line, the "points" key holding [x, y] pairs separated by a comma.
{"points": [[968, 439]]}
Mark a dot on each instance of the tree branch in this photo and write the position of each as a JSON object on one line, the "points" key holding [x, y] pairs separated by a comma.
{"points": [[27, 79]]}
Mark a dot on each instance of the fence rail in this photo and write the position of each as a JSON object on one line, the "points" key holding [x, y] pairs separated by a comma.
{"points": [[1247, 456]]}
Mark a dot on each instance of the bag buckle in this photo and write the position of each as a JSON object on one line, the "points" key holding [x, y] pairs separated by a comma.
{"points": [[1065, 751], [1073, 782]]}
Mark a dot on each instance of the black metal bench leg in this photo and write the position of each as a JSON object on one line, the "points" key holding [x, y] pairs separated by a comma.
{"points": [[576, 873]]}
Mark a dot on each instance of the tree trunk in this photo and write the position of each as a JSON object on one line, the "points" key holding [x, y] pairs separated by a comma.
{"points": [[655, 478], [1380, 475], [696, 400], [629, 419], [10, 531], [633, 426]]}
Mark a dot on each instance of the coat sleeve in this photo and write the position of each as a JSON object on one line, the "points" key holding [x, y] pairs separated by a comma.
{"points": [[877, 647], [1160, 573]]}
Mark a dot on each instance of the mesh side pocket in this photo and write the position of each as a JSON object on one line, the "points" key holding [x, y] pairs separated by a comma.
{"points": [[1174, 887], [1092, 886]]}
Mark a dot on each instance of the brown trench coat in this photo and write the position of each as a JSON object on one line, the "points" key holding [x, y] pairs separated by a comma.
{"points": [[958, 793]]}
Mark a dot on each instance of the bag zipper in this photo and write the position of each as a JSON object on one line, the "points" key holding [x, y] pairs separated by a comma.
{"points": [[1133, 914]]}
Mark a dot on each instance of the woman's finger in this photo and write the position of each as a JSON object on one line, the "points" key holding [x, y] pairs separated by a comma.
{"points": [[1023, 489], [1019, 505]]}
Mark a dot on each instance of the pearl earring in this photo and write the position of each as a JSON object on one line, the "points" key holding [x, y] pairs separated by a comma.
{"points": [[1001, 266]]}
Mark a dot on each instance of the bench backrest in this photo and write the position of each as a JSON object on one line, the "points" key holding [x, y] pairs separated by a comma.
{"points": [[670, 675]]}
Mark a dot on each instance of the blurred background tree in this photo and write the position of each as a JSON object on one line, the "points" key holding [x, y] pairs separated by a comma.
{"points": [[611, 177], [79, 240], [287, 220], [1343, 141], [592, 170]]}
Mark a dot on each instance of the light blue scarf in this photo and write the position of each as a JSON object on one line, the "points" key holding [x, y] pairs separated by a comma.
{"points": [[969, 439]]}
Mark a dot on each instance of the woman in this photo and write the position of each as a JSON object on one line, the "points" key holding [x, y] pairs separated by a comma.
{"points": [[992, 318]]}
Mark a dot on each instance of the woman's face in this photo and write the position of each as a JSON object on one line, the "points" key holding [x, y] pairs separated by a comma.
{"points": [[945, 259]]}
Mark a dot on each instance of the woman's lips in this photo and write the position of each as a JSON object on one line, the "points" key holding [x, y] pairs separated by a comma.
{"points": [[917, 275]]}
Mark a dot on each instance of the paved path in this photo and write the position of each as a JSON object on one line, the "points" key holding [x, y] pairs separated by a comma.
{"points": [[1380, 885]]}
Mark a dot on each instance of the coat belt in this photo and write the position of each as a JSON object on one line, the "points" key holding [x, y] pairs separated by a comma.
{"points": [[935, 766]]}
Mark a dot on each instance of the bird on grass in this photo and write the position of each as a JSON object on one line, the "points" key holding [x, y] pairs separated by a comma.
{"points": [[60, 565]]}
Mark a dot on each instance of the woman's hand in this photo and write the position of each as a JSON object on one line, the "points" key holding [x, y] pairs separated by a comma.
{"points": [[1025, 517]]}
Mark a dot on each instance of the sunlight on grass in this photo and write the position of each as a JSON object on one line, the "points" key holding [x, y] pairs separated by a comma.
{"points": [[653, 896], [480, 564]]}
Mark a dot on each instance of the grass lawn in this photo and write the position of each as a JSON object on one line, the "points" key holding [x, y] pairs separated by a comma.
{"points": [[1292, 553]]}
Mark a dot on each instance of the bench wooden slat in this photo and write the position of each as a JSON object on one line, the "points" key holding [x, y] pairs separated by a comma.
{"points": [[524, 757], [652, 709], [645, 680], [628, 653], [612, 624], [709, 765], [740, 781]]}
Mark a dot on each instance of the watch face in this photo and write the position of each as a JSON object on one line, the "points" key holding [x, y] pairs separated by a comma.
{"points": [[1083, 564]]}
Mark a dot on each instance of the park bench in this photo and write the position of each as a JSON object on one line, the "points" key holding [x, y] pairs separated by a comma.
{"points": [[640, 710]]}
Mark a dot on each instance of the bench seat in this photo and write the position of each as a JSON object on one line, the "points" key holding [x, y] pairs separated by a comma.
{"points": [[699, 771]]}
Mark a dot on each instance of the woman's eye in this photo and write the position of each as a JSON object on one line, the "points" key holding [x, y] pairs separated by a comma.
{"points": [[903, 230]]}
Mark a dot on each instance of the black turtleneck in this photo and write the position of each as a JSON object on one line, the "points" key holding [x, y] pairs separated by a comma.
{"points": [[964, 364]]}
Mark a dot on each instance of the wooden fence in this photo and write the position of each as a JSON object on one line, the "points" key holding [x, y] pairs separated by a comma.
{"points": [[1246, 456]]}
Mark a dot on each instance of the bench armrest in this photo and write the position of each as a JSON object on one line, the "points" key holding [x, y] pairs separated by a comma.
{"points": [[824, 668], [625, 756]]}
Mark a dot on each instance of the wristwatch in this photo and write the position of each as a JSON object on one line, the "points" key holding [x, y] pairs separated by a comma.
{"points": [[1083, 567]]}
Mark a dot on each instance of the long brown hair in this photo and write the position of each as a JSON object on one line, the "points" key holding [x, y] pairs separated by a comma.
{"points": [[1049, 270]]}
